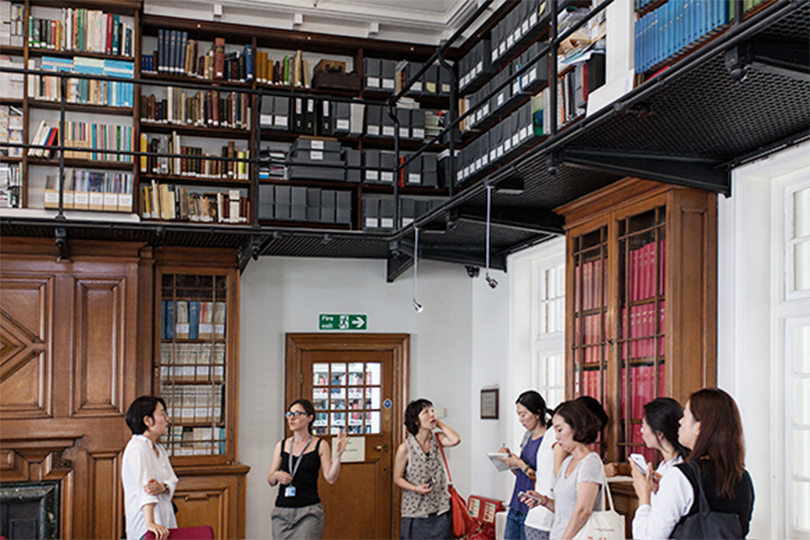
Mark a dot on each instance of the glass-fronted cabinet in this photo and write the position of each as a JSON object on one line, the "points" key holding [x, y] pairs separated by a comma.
{"points": [[195, 364]]}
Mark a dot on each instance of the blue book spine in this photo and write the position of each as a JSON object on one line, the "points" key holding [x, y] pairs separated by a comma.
{"points": [[169, 328], [249, 62], [161, 49], [194, 319]]}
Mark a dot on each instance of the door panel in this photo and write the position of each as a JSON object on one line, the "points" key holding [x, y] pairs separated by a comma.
{"points": [[358, 383]]}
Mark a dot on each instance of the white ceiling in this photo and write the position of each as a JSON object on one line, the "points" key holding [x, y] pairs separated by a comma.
{"points": [[416, 21]]}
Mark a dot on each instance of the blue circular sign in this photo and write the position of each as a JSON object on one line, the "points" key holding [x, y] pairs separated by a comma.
{"points": [[387, 403]]}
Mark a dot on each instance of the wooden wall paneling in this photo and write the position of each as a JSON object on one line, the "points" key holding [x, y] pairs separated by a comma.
{"points": [[26, 355], [104, 511], [214, 496]]}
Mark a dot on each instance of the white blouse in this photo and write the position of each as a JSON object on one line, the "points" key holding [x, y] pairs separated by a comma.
{"points": [[139, 465], [673, 500]]}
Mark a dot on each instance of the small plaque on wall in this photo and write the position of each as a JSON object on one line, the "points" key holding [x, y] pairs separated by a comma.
{"points": [[489, 404]]}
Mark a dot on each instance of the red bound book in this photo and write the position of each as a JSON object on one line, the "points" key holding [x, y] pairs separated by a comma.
{"points": [[662, 247], [108, 46], [597, 283], [587, 289], [219, 58], [662, 325], [215, 107], [634, 257], [50, 141]]}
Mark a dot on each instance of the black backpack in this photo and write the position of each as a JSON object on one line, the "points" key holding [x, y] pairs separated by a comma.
{"points": [[705, 523]]}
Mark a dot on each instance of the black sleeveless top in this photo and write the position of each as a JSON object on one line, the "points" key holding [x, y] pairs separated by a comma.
{"points": [[742, 504], [305, 480]]}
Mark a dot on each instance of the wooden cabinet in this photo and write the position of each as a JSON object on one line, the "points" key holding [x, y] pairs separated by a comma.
{"points": [[196, 331], [642, 274], [214, 496]]}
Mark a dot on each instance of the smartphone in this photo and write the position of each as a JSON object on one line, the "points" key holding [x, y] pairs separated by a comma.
{"points": [[640, 462], [528, 496], [431, 481]]}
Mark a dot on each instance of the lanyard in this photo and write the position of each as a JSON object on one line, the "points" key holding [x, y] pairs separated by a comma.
{"points": [[295, 464]]}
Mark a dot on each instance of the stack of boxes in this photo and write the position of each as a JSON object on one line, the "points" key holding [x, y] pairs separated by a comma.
{"points": [[315, 159], [303, 204], [524, 23], [378, 212]]}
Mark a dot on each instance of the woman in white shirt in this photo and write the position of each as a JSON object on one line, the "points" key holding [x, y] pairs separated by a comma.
{"points": [[148, 478], [659, 430]]}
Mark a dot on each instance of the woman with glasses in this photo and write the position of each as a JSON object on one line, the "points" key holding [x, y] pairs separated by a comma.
{"points": [[419, 471], [296, 461], [148, 478]]}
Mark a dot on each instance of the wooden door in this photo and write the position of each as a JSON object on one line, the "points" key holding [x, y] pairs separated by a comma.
{"points": [[359, 382]]}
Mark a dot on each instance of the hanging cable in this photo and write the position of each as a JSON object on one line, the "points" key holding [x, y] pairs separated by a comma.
{"points": [[416, 305], [491, 281]]}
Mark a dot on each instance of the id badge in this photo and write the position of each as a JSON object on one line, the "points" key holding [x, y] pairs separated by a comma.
{"points": [[289, 491]]}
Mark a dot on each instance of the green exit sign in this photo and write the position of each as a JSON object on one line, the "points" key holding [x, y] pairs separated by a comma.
{"points": [[342, 321]]}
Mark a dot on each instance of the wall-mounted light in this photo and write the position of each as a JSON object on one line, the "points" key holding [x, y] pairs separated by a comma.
{"points": [[490, 280], [416, 305]]}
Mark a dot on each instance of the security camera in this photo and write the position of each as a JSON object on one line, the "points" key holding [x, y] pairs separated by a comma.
{"points": [[473, 271]]}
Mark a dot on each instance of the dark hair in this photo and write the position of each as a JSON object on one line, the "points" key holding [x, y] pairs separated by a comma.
{"points": [[720, 437], [585, 424], [663, 416], [412, 414], [536, 405], [308, 408], [596, 409], [142, 406]]}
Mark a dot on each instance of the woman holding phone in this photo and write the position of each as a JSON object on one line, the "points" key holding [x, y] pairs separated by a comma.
{"points": [[712, 430], [419, 471], [296, 462], [659, 430]]}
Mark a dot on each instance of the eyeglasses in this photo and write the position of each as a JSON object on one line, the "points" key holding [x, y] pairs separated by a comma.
{"points": [[294, 414]]}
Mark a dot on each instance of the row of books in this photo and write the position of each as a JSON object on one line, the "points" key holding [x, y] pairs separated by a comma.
{"points": [[82, 136], [11, 130], [12, 30], [642, 323], [194, 441], [575, 85], [643, 264], [195, 162], [209, 108], [193, 319], [588, 285], [12, 85], [90, 190], [10, 185], [87, 91], [641, 390], [676, 27], [190, 203], [193, 403], [291, 70], [176, 54], [192, 362], [82, 30]]}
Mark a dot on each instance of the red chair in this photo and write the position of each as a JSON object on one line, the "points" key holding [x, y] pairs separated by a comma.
{"points": [[205, 532]]}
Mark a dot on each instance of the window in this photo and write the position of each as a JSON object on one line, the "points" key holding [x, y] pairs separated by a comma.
{"points": [[548, 325], [793, 317]]}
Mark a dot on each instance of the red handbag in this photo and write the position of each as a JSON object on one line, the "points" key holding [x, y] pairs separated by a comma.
{"points": [[463, 524]]}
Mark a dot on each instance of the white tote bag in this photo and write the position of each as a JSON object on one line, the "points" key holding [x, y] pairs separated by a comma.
{"points": [[605, 524]]}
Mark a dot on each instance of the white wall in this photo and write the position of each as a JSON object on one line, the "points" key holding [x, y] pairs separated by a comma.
{"points": [[280, 295], [749, 362]]}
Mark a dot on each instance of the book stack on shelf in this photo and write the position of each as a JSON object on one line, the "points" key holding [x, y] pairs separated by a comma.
{"points": [[667, 31], [210, 108], [193, 360], [87, 91], [10, 185], [176, 54], [11, 84], [12, 27], [196, 204], [195, 162], [11, 130], [81, 30], [45, 135], [90, 190]]}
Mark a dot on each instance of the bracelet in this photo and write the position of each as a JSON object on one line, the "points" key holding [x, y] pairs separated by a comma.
{"points": [[527, 469]]}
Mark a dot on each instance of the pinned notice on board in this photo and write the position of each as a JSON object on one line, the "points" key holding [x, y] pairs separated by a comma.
{"points": [[355, 450]]}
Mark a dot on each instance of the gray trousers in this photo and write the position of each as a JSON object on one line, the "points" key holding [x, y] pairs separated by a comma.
{"points": [[298, 523]]}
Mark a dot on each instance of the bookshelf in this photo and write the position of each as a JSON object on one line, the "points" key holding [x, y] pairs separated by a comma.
{"points": [[196, 367], [641, 272]]}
